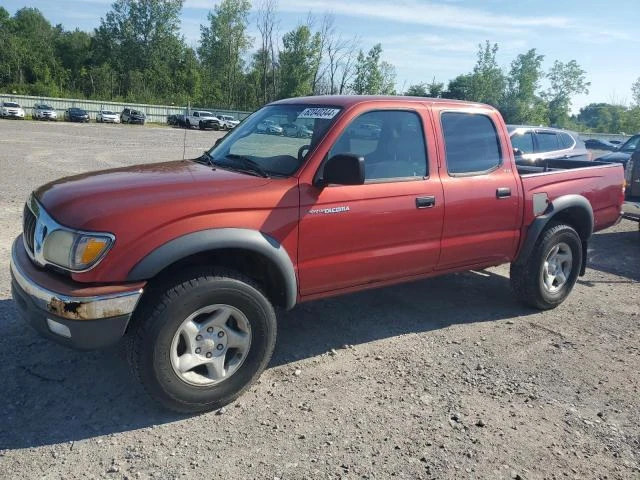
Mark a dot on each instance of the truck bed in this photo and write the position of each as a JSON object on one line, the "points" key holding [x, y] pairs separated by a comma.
{"points": [[526, 167], [598, 182]]}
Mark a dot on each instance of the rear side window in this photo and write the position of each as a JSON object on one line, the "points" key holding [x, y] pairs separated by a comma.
{"points": [[523, 142], [547, 141], [471, 143], [566, 140]]}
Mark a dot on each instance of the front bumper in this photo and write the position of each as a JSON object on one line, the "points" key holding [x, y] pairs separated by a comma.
{"points": [[69, 312]]}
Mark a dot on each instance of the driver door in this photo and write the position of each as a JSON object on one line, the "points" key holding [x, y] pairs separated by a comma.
{"points": [[389, 227]]}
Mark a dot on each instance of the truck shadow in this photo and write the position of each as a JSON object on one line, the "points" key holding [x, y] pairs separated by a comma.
{"points": [[51, 394], [617, 253]]}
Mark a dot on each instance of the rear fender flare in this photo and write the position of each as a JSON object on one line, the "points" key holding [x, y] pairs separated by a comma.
{"points": [[215, 239], [580, 206]]}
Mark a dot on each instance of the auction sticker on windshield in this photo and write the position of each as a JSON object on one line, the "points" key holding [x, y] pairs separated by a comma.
{"points": [[323, 113]]}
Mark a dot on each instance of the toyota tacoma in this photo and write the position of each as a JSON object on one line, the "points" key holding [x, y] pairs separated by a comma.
{"points": [[186, 262]]}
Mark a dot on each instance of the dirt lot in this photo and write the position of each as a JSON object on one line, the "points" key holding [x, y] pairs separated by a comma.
{"points": [[445, 378]]}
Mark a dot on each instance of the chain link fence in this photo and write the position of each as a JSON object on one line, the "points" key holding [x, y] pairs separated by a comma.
{"points": [[154, 113]]}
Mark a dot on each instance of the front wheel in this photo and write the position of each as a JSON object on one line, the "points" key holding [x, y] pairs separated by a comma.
{"points": [[202, 341], [547, 277]]}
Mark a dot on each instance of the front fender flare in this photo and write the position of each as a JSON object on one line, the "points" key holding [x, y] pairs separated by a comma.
{"points": [[215, 239]]}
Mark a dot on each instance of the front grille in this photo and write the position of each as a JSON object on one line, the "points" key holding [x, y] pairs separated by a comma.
{"points": [[28, 227]]}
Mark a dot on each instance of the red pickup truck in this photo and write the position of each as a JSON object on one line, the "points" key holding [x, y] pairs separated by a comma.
{"points": [[187, 260]]}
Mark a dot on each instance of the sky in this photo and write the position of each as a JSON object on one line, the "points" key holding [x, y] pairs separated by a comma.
{"points": [[429, 39]]}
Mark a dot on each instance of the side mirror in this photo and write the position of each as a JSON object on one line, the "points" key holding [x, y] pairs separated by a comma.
{"points": [[218, 142], [342, 169], [517, 153]]}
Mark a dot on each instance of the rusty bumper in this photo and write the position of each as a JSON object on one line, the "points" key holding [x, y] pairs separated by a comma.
{"points": [[70, 313]]}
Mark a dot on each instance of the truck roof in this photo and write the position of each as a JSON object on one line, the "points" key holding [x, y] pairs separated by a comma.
{"points": [[351, 100]]}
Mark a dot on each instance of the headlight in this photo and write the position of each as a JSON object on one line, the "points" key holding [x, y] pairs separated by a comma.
{"points": [[76, 251]]}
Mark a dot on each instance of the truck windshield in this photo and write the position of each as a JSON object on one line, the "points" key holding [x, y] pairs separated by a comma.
{"points": [[276, 138]]}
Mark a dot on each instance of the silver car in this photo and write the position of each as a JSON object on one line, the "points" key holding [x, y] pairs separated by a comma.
{"points": [[543, 143], [107, 116], [42, 111]]}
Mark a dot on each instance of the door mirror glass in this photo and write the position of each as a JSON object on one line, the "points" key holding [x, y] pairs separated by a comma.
{"points": [[517, 153], [342, 169]]}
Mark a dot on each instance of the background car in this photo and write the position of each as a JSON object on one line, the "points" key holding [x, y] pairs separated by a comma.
{"points": [[107, 116], [42, 111], [365, 130], [295, 130], [597, 144], [541, 143], [131, 115], [228, 122], [632, 177], [622, 153], [75, 114], [270, 127], [11, 110]]}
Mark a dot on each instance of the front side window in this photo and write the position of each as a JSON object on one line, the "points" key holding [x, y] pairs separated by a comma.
{"points": [[261, 140], [523, 142], [547, 142], [391, 141], [471, 143]]}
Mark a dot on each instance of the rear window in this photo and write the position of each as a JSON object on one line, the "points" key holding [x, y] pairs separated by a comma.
{"points": [[547, 141], [471, 143], [566, 140]]}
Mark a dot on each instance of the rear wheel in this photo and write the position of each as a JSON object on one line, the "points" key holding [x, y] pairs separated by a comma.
{"points": [[545, 280], [200, 342]]}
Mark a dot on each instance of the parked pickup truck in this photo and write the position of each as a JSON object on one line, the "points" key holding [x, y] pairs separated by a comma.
{"points": [[203, 120], [187, 261]]}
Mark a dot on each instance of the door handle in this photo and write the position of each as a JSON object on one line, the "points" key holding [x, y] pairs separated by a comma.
{"points": [[425, 202], [503, 192]]}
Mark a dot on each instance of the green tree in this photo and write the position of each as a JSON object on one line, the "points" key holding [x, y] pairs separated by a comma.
{"points": [[372, 75], [417, 90], [566, 79], [459, 88], [223, 44], [521, 103], [487, 80], [297, 58], [436, 89], [635, 92], [140, 40]]}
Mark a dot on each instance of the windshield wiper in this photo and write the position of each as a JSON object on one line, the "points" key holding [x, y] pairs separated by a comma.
{"points": [[206, 158], [249, 165]]}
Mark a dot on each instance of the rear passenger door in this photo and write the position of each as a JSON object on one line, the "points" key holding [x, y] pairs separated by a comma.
{"points": [[547, 145], [481, 190]]}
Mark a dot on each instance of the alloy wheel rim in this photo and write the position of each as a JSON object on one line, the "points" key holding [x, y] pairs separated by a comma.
{"points": [[210, 345], [557, 267]]}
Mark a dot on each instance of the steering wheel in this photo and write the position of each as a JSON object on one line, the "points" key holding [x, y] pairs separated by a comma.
{"points": [[301, 151]]}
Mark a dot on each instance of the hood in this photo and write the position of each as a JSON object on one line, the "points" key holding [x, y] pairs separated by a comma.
{"points": [[106, 200], [619, 157]]}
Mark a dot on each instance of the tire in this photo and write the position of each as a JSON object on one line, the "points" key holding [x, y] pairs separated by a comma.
{"points": [[200, 126], [157, 336], [528, 279], [216, 127]]}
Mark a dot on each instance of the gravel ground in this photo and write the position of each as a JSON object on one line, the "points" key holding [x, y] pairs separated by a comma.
{"points": [[445, 378]]}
